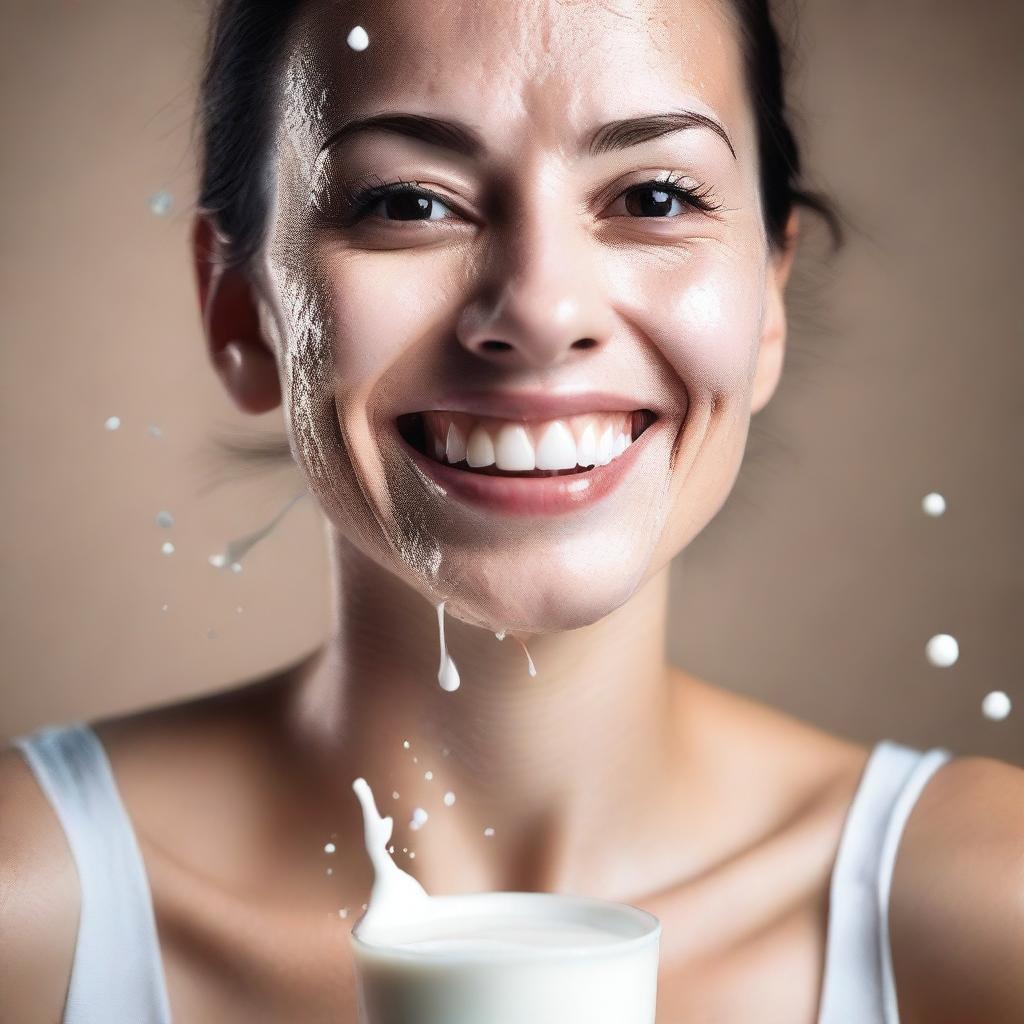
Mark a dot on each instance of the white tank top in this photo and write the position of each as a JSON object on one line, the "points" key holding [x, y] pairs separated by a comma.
{"points": [[117, 973]]}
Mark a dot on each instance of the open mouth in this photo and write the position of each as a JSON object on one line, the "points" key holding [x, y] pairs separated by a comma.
{"points": [[523, 448]]}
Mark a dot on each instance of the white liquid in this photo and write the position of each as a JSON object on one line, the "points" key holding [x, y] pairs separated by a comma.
{"points": [[933, 504], [358, 39], [237, 549], [530, 667], [996, 706], [496, 957], [942, 650], [447, 673]]}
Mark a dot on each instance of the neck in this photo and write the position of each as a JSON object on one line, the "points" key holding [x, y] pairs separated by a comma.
{"points": [[549, 759]]}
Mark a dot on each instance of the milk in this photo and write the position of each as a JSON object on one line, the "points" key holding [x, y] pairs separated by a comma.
{"points": [[496, 957]]}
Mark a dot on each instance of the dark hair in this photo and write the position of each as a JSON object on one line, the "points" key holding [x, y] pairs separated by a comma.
{"points": [[235, 121]]}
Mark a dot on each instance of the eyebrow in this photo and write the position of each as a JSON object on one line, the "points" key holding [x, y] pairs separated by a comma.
{"points": [[465, 140]]}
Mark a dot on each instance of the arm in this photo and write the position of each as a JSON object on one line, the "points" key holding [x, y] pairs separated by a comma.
{"points": [[957, 901], [39, 900]]}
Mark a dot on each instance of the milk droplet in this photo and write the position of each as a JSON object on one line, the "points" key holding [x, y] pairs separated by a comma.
{"points": [[412, 854], [449, 798], [160, 203], [329, 847], [406, 744], [447, 673], [428, 776], [358, 39], [330, 871], [500, 634], [530, 667], [391, 848], [167, 548], [364, 906], [154, 431], [933, 504], [418, 819], [488, 832], [113, 422], [164, 519], [343, 913], [415, 760], [942, 650], [394, 794], [996, 706]]}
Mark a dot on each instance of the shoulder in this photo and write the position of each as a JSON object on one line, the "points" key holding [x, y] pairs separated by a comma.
{"points": [[957, 898], [39, 899]]}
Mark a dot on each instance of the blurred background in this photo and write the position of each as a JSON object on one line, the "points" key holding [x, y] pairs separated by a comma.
{"points": [[818, 586]]}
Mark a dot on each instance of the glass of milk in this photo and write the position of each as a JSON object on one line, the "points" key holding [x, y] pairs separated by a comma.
{"points": [[512, 958]]}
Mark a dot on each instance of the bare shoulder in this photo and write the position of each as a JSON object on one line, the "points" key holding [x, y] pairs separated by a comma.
{"points": [[39, 899], [957, 900]]}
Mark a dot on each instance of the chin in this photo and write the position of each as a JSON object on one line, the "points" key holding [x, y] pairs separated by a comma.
{"points": [[543, 593]]}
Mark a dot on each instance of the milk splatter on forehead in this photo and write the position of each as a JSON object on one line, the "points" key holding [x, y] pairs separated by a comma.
{"points": [[304, 109]]}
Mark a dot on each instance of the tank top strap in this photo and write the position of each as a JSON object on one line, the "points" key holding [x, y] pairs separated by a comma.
{"points": [[117, 974], [858, 983]]}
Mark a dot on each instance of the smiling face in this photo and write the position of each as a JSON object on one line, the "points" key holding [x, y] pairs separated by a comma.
{"points": [[544, 279]]}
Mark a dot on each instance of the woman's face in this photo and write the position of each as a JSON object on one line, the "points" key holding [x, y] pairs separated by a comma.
{"points": [[533, 261]]}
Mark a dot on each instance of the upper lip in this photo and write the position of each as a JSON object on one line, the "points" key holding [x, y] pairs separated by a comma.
{"points": [[526, 405]]}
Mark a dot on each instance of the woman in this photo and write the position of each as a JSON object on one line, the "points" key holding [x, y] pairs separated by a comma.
{"points": [[499, 236]]}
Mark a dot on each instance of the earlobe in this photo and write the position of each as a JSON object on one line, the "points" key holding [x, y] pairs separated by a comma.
{"points": [[231, 323]]}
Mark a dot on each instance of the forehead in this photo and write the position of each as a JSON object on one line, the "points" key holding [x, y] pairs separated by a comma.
{"points": [[536, 69]]}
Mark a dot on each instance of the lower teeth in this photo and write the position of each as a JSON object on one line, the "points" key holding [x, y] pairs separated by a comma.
{"points": [[494, 471]]}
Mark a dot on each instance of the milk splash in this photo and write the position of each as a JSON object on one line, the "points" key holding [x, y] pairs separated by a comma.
{"points": [[237, 549], [396, 897], [447, 673]]}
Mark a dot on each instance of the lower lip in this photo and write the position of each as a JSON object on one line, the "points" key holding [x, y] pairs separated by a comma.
{"points": [[531, 496]]}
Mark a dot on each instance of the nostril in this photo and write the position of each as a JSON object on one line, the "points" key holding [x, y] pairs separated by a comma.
{"points": [[584, 343], [495, 346]]}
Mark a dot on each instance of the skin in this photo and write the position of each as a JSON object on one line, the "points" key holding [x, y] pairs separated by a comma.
{"points": [[612, 773]]}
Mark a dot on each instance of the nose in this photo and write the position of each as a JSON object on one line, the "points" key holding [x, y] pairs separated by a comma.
{"points": [[541, 301]]}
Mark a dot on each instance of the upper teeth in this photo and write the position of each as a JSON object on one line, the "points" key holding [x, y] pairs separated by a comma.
{"points": [[593, 439]]}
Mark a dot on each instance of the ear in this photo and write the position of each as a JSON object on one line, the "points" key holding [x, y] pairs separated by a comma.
{"points": [[228, 303], [773, 334]]}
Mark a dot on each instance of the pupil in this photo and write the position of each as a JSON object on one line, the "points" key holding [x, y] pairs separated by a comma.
{"points": [[407, 206], [654, 202]]}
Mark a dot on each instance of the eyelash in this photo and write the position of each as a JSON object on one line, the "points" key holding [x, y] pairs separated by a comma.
{"points": [[361, 199]]}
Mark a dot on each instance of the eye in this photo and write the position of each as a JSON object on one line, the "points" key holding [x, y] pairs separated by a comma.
{"points": [[401, 201], [664, 199]]}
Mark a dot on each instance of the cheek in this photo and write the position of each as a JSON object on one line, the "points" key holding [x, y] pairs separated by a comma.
{"points": [[384, 306], [703, 312]]}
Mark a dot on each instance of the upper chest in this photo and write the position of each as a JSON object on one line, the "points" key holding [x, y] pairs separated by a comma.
{"points": [[733, 952], [774, 977]]}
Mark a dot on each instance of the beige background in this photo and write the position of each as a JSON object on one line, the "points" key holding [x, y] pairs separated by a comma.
{"points": [[815, 590]]}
